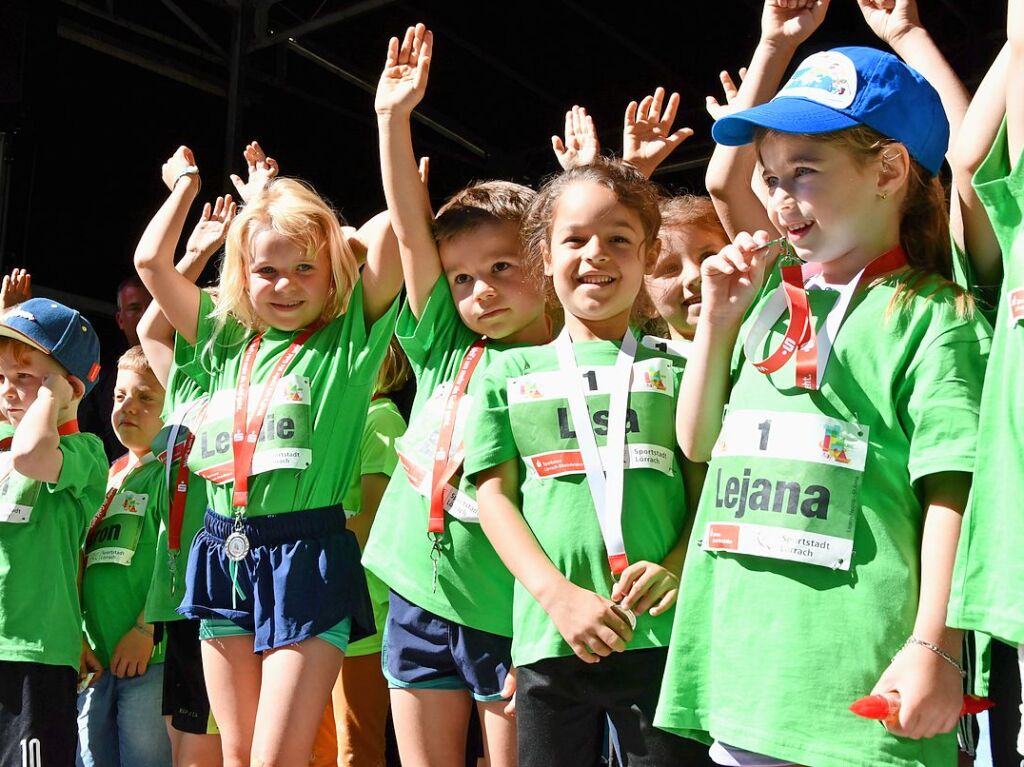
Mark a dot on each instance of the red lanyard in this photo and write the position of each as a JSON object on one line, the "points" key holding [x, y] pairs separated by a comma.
{"points": [[176, 518], [812, 352], [444, 464], [244, 438], [119, 472], [68, 427]]}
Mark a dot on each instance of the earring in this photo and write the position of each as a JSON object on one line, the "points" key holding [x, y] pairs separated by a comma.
{"points": [[882, 195]]}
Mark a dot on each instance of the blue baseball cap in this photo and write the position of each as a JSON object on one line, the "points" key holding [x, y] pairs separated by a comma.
{"points": [[844, 87], [59, 331]]}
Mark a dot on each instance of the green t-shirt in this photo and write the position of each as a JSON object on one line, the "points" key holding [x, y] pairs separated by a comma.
{"points": [[522, 412], [989, 568], [300, 462], [384, 424], [767, 653], [119, 556], [183, 406], [474, 588], [42, 529]]}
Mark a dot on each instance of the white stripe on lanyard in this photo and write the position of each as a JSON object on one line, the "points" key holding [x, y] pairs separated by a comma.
{"points": [[172, 439], [606, 482], [775, 306]]}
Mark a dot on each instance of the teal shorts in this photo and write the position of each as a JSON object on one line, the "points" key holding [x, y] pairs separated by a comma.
{"points": [[216, 628]]}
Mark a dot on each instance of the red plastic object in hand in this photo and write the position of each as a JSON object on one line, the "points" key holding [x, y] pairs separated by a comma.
{"points": [[886, 706]]}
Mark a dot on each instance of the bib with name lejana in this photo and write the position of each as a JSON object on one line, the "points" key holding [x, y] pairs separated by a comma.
{"points": [[284, 441], [785, 486], [417, 446], [18, 494]]}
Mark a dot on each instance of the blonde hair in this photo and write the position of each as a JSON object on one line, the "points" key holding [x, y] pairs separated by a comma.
{"points": [[394, 370], [924, 218], [134, 360], [295, 211]]}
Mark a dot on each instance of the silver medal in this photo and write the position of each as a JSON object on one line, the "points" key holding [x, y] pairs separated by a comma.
{"points": [[236, 546]]}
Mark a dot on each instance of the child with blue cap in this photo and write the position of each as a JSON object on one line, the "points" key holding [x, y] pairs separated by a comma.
{"points": [[838, 392], [51, 483]]}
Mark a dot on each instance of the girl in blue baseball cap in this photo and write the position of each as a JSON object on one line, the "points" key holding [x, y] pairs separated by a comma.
{"points": [[839, 393]]}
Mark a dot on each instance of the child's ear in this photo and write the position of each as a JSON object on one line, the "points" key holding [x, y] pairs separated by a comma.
{"points": [[545, 254], [77, 388], [894, 170], [651, 256]]}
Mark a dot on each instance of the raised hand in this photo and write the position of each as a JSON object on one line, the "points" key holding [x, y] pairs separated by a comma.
{"points": [[581, 145], [176, 163], [60, 388], [261, 170], [16, 287], [890, 19], [791, 22], [731, 278], [717, 110], [404, 79], [212, 228], [647, 137]]}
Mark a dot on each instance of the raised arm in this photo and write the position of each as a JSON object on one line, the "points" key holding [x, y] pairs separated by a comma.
{"points": [[401, 88], [977, 134], [156, 334], [35, 449], [382, 272], [261, 170], [581, 145], [729, 172], [730, 281], [1014, 96], [154, 257], [647, 135]]}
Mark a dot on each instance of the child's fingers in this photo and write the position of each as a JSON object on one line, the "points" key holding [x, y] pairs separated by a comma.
{"points": [[558, 146], [654, 115], [627, 578], [391, 59], [729, 86], [667, 600], [630, 118], [712, 106], [239, 184], [645, 108], [583, 652], [424, 170], [406, 46], [679, 136], [605, 641], [669, 116], [743, 74]]}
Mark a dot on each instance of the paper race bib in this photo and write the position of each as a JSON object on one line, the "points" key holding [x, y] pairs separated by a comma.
{"points": [[539, 411], [284, 441], [18, 494], [116, 537], [416, 451], [680, 348], [785, 486]]}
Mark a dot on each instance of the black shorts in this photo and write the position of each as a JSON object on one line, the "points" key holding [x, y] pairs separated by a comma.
{"points": [[185, 699], [38, 714]]}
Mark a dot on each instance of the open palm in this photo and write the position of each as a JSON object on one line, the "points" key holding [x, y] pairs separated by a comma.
{"points": [[404, 79]]}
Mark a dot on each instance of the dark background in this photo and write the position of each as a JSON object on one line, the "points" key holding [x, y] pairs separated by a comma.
{"points": [[95, 94]]}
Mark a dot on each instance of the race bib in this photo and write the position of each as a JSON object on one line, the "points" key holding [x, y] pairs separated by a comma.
{"points": [[18, 494], [677, 348], [116, 537], [785, 486], [417, 446], [284, 441], [539, 412]]}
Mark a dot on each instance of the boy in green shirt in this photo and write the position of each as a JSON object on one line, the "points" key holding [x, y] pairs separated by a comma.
{"points": [[119, 721], [51, 482]]}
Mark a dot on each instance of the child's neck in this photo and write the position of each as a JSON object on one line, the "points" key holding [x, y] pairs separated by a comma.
{"points": [[536, 333], [611, 329], [841, 270], [138, 454]]}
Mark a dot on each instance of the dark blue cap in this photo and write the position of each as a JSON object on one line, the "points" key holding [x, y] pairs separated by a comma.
{"points": [[59, 331], [844, 87]]}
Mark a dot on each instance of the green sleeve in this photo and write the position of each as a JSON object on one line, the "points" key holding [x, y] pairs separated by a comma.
{"points": [[1001, 190], [489, 440], [194, 361], [939, 399], [377, 451], [84, 468], [438, 329]]}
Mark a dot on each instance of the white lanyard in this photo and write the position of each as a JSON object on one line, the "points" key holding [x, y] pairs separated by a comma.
{"points": [[606, 482]]}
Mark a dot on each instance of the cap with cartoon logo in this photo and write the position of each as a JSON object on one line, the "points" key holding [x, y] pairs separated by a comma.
{"points": [[844, 87], [59, 331]]}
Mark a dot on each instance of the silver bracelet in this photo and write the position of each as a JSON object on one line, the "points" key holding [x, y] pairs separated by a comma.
{"points": [[937, 650], [189, 170]]}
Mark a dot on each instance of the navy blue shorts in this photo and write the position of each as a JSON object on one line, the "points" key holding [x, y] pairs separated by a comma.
{"points": [[300, 578], [423, 651]]}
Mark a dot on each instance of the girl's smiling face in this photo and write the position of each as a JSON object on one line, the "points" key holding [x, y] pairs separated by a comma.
{"points": [[287, 286], [598, 253], [826, 201]]}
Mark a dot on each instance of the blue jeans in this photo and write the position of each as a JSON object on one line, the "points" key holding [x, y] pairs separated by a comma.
{"points": [[119, 722]]}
